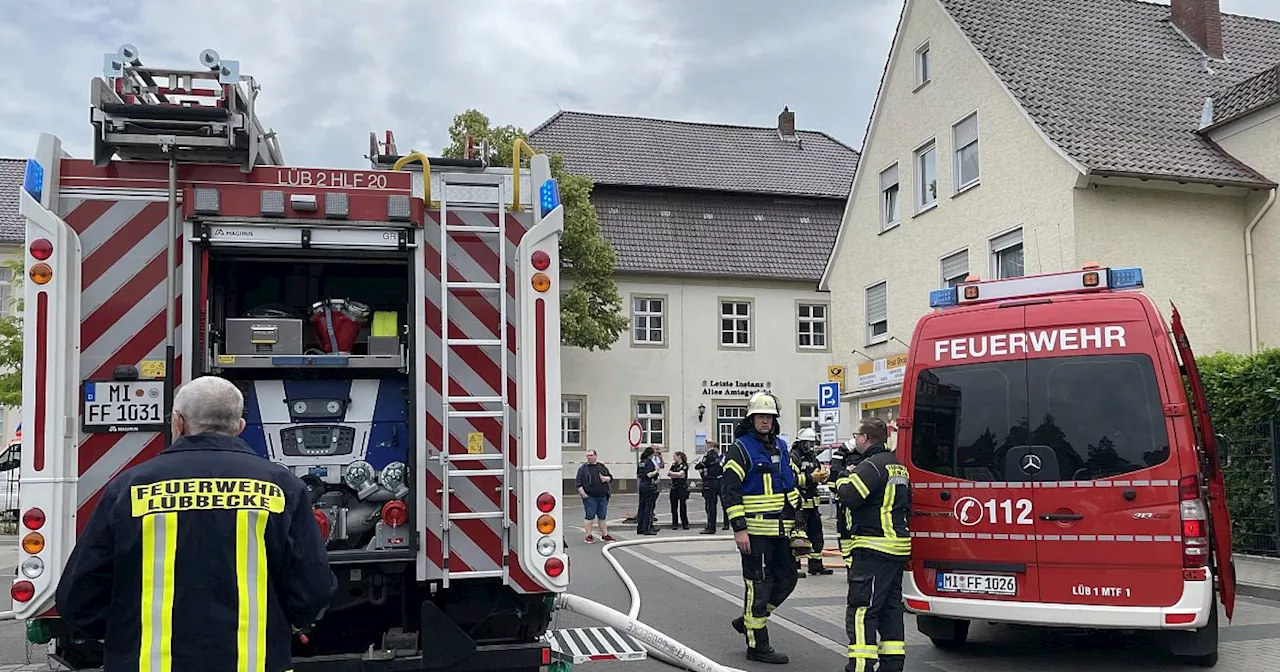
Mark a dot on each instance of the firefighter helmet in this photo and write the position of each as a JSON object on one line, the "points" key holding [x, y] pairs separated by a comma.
{"points": [[763, 403], [807, 434]]}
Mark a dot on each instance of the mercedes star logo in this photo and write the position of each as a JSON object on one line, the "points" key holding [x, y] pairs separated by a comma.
{"points": [[1031, 465]]}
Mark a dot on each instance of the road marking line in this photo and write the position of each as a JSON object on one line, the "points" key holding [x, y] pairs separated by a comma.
{"points": [[801, 630]]}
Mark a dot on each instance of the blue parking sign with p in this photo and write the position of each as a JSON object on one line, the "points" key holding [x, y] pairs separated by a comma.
{"points": [[828, 396]]}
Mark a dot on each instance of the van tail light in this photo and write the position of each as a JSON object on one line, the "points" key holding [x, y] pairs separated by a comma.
{"points": [[1195, 524]]}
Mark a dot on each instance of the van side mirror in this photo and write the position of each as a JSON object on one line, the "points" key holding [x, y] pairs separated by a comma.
{"points": [[1224, 448]]}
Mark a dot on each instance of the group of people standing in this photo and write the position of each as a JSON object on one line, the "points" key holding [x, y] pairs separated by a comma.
{"points": [[768, 491]]}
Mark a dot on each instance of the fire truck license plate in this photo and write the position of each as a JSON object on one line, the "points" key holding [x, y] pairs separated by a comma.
{"points": [[977, 584], [123, 404]]}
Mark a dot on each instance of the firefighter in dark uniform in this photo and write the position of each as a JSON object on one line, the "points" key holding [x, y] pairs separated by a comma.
{"points": [[710, 470], [877, 498], [759, 491], [809, 474], [843, 461], [205, 557]]}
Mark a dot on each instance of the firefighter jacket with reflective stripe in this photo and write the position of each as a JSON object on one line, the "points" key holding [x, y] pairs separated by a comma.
{"points": [[759, 488], [804, 465], [876, 497], [202, 558]]}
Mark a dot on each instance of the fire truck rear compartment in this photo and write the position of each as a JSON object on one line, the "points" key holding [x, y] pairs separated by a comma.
{"points": [[327, 392]]}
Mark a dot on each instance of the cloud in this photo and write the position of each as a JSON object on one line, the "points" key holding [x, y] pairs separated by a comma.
{"points": [[331, 72]]}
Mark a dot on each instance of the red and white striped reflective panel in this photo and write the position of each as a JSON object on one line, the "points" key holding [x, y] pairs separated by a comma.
{"points": [[475, 545], [122, 319]]}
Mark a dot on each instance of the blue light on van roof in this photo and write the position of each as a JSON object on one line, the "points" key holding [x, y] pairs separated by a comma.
{"points": [[1124, 278], [943, 298]]}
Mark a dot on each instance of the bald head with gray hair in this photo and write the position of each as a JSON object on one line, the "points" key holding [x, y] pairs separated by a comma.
{"points": [[208, 404]]}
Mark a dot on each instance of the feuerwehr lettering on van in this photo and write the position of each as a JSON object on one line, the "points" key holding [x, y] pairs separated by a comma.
{"points": [[1022, 342]]}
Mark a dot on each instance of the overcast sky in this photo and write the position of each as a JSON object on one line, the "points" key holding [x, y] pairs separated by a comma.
{"points": [[330, 76]]}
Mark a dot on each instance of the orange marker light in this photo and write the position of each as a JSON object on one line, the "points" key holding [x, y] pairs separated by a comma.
{"points": [[541, 282], [546, 524], [1091, 279], [41, 274], [33, 543]]}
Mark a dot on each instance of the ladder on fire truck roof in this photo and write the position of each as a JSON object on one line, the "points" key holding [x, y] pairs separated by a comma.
{"points": [[483, 193], [137, 118]]}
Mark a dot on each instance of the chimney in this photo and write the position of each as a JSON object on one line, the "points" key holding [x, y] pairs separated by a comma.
{"points": [[787, 123], [1201, 20]]}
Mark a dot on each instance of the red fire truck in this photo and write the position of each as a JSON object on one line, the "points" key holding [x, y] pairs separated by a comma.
{"points": [[1063, 475], [395, 334]]}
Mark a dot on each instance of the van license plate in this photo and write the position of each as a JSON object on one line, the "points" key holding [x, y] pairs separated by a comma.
{"points": [[977, 583]]}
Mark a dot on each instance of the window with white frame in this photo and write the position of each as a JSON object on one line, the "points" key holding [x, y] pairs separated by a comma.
{"points": [[571, 422], [955, 268], [878, 313], [967, 166], [652, 416], [813, 326], [727, 419], [926, 176], [808, 416], [889, 210], [924, 73], [735, 324], [647, 320], [1006, 255], [7, 306]]}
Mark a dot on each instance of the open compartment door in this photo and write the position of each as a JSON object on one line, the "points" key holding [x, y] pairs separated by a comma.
{"points": [[1219, 517]]}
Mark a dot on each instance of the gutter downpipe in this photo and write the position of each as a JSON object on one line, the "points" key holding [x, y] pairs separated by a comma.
{"points": [[1248, 266]]}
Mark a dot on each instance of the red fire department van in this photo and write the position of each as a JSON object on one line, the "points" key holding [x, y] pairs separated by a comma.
{"points": [[1063, 475]]}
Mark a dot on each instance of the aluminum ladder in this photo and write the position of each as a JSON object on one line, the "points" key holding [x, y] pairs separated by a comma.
{"points": [[484, 193]]}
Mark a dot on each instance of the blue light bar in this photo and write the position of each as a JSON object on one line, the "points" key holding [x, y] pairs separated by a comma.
{"points": [[549, 196], [943, 298], [1124, 278], [33, 182]]}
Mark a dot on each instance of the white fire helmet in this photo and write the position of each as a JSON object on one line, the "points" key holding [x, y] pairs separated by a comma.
{"points": [[807, 434], [762, 403]]}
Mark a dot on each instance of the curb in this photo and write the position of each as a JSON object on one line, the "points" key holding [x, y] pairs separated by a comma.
{"points": [[1259, 591]]}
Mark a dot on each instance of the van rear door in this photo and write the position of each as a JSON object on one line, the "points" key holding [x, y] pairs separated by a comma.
{"points": [[1220, 518], [1106, 483], [972, 530]]}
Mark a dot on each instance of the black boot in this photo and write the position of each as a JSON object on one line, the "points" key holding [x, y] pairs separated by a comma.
{"points": [[800, 570], [816, 567], [763, 652]]}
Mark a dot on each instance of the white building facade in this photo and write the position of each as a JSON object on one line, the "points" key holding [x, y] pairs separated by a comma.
{"points": [[717, 270]]}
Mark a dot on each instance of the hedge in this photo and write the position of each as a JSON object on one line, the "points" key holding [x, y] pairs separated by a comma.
{"points": [[1244, 402]]}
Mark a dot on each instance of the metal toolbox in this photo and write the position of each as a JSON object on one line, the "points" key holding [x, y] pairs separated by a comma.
{"points": [[270, 336]]}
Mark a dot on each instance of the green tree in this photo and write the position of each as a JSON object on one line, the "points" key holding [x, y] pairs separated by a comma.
{"points": [[11, 340], [591, 311]]}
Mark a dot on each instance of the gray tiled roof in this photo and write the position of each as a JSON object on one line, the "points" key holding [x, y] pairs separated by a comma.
{"points": [[1113, 84], [722, 235], [12, 228], [638, 151], [1261, 89]]}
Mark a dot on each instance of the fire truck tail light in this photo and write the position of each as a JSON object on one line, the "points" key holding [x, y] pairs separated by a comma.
{"points": [[33, 519], [546, 524], [541, 282], [395, 513], [41, 273], [33, 543], [207, 201], [546, 502], [554, 566], [22, 591], [1195, 528], [41, 248], [541, 260], [272, 204], [32, 567]]}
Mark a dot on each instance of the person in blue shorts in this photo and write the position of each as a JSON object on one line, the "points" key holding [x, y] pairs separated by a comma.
{"points": [[593, 485]]}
